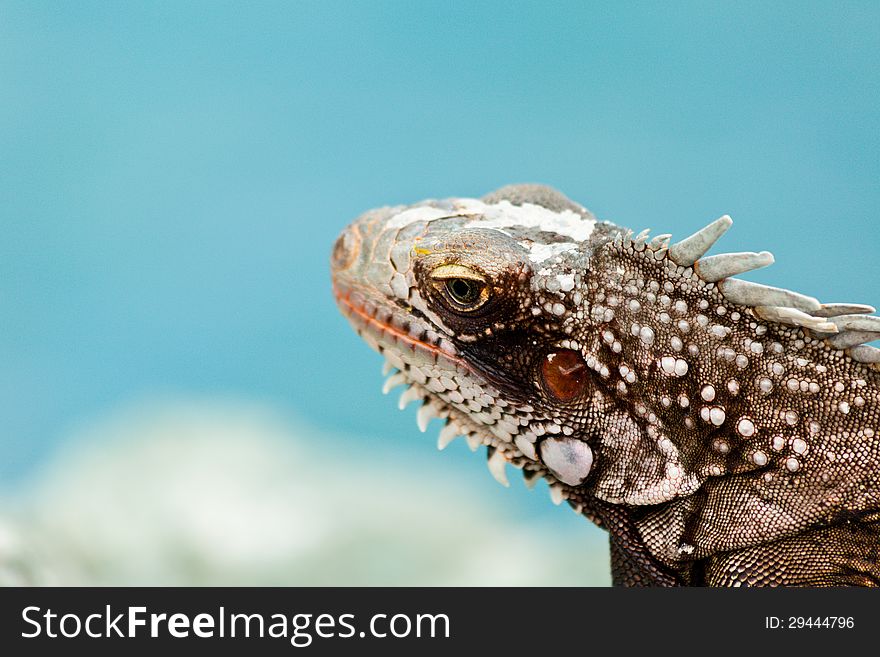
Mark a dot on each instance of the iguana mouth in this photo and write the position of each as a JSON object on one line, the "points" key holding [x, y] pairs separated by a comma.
{"points": [[393, 336], [379, 321]]}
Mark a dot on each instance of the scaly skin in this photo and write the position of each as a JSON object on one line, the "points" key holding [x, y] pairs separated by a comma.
{"points": [[718, 442]]}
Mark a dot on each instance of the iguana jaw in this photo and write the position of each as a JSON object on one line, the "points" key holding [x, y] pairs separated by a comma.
{"points": [[392, 335], [427, 362]]}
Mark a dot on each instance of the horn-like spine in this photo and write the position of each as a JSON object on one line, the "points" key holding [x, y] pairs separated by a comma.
{"points": [[865, 353], [793, 317], [857, 323], [686, 252], [847, 339], [746, 293], [837, 309], [714, 268]]}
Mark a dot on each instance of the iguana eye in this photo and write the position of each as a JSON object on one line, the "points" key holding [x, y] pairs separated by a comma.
{"points": [[464, 289]]}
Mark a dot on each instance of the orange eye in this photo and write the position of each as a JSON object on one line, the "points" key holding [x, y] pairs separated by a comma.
{"points": [[564, 374]]}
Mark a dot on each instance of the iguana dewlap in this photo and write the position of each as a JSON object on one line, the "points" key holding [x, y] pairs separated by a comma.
{"points": [[722, 431]]}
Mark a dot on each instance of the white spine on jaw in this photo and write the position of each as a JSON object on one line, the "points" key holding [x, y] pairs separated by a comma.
{"points": [[568, 459]]}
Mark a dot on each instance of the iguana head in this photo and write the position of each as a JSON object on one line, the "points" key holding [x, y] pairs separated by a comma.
{"points": [[479, 305], [619, 367]]}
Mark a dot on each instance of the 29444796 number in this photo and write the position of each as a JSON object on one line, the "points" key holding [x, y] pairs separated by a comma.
{"points": [[809, 622]]}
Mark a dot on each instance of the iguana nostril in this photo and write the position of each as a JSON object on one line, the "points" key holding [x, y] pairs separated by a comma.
{"points": [[345, 250], [564, 374]]}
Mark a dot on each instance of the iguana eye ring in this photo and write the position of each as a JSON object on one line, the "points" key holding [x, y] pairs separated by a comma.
{"points": [[463, 288]]}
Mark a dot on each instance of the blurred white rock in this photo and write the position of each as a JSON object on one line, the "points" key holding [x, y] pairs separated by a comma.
{"points": [[220, 494]]}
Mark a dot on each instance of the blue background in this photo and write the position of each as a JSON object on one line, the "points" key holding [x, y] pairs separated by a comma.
{"points": [[172, 175]]}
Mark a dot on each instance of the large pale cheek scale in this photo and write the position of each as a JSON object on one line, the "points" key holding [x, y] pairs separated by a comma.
{"points": [[569, 459]]}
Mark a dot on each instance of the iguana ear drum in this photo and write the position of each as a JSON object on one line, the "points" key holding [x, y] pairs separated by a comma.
{"points": [[564, 375]]}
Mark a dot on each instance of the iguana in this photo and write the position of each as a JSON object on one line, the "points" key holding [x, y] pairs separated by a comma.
{"points": [[723, 432]]}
